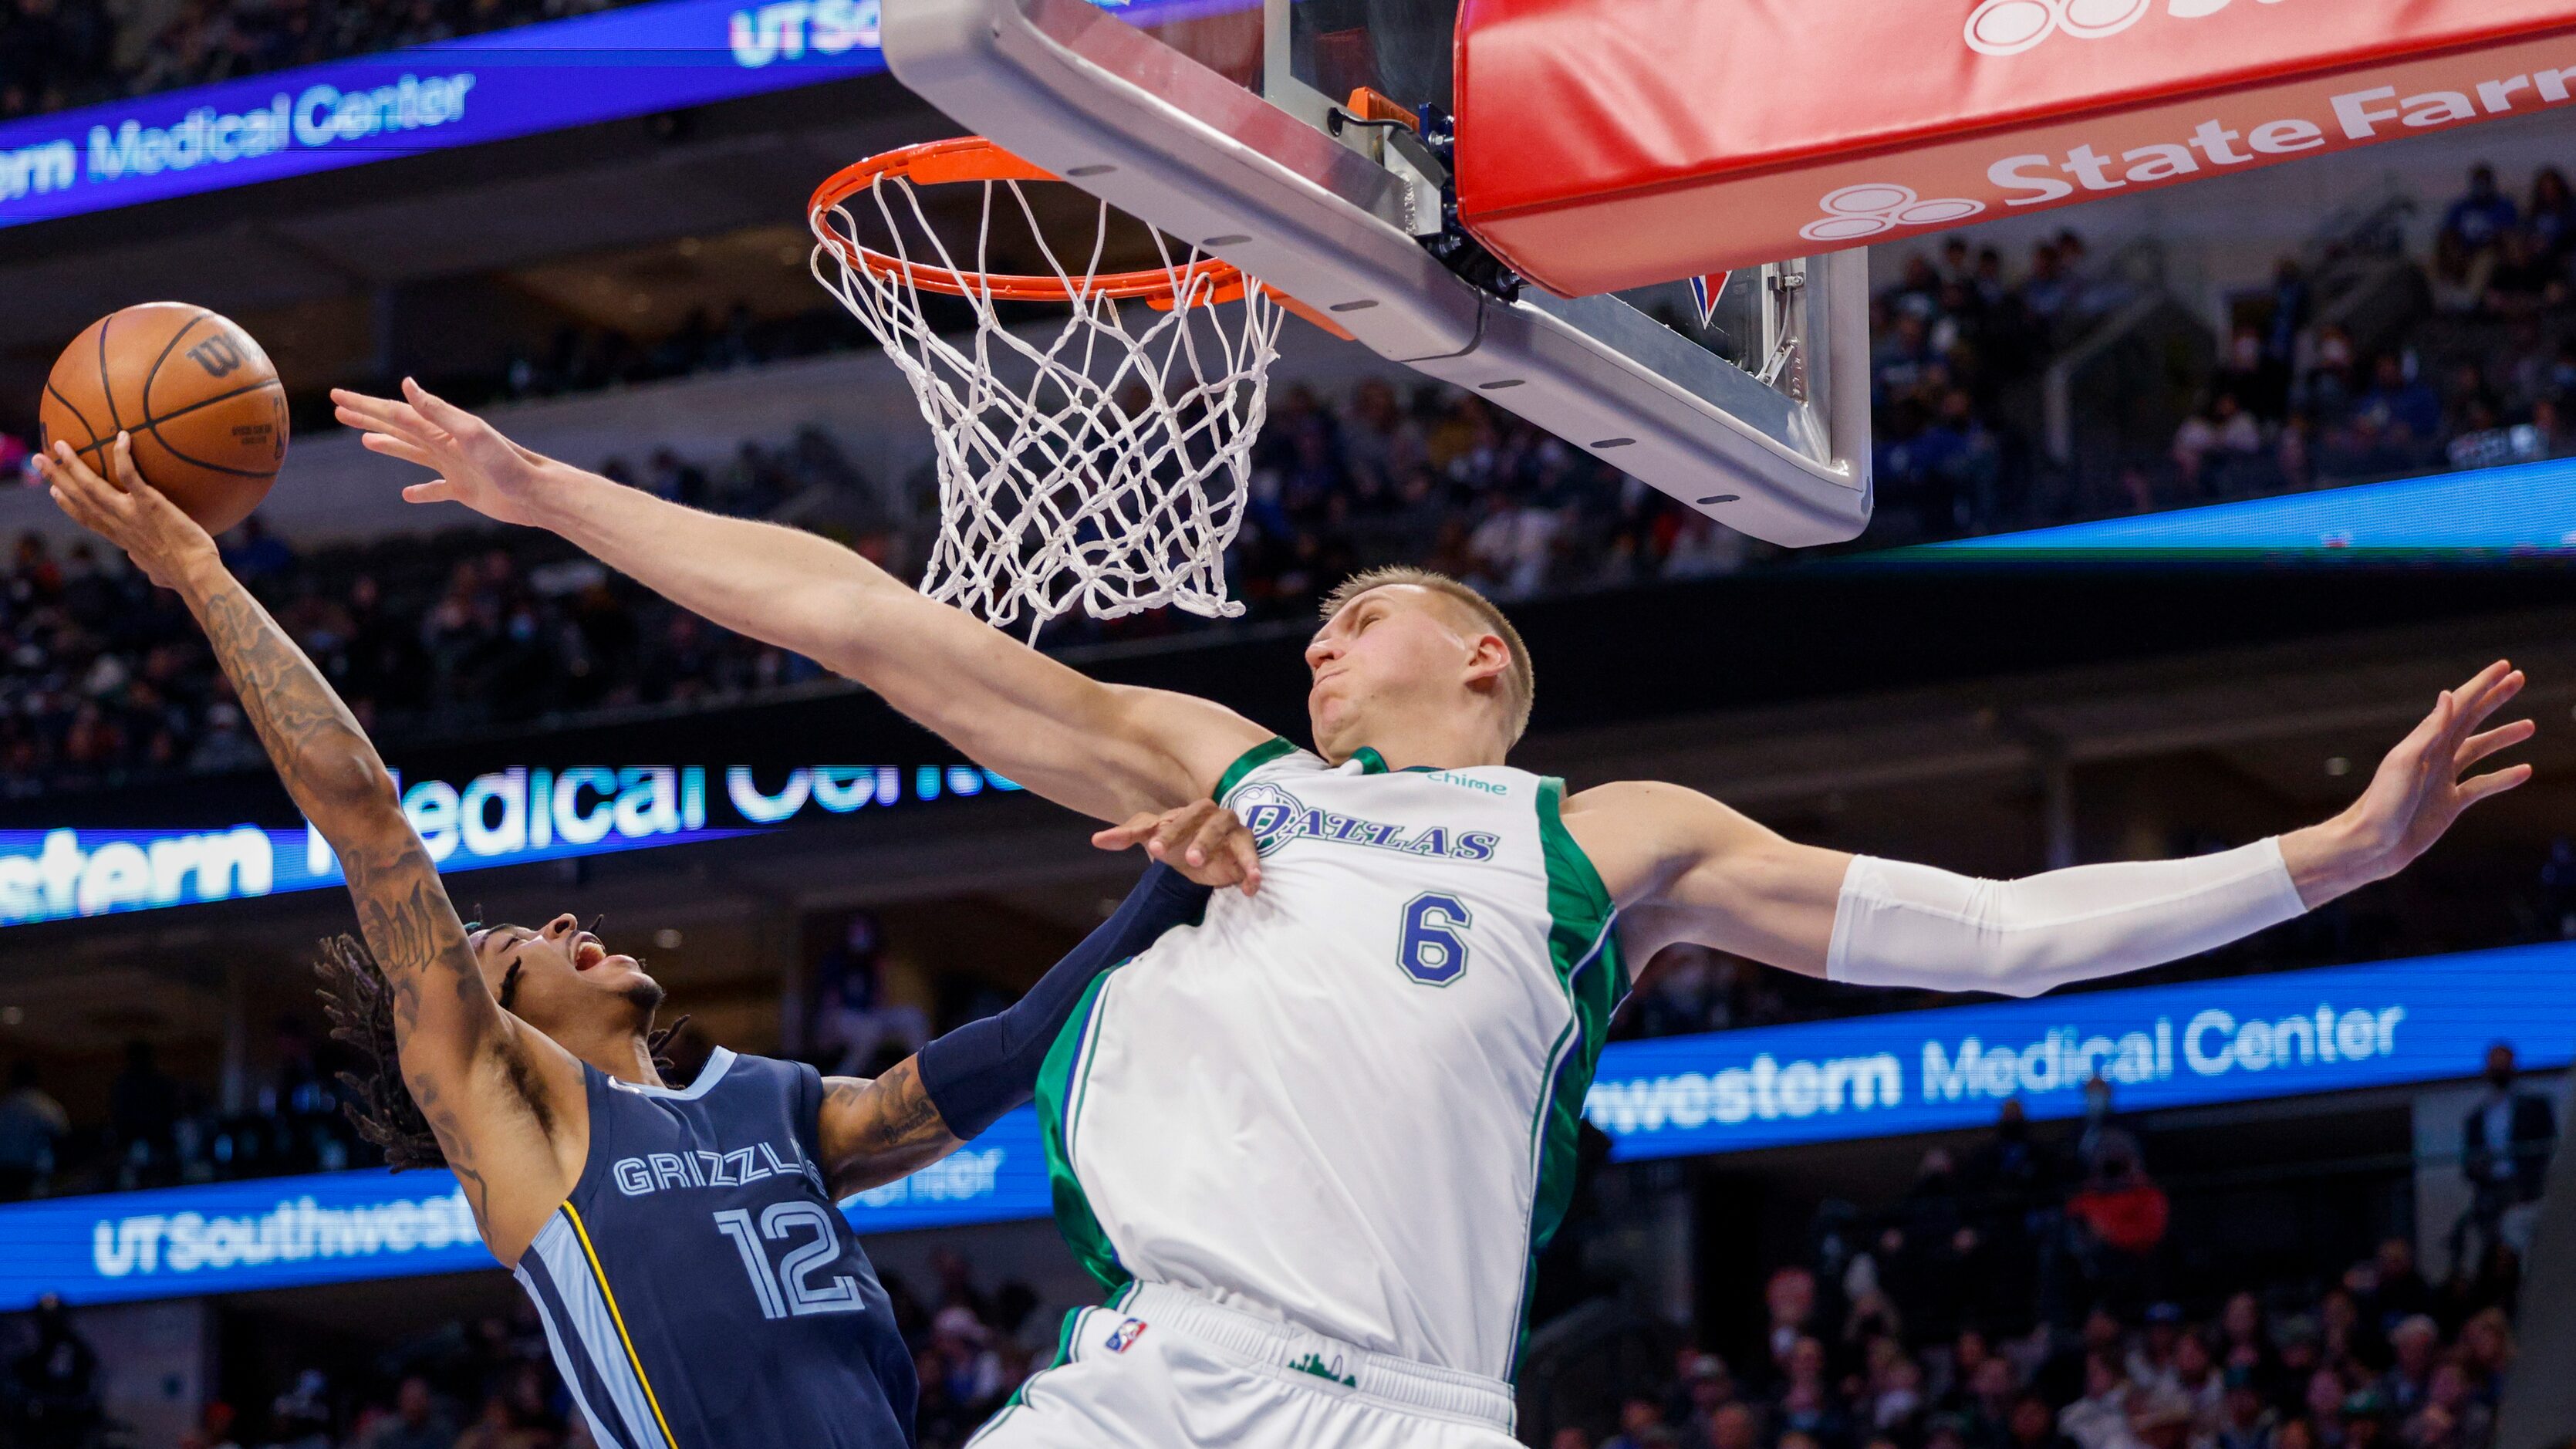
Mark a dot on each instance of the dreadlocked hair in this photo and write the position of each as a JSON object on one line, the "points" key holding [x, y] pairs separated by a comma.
{"points": [[360, 1004]]}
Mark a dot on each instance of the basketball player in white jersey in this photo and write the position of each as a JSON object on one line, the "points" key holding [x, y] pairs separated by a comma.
{"points": [[1314, 1144]]}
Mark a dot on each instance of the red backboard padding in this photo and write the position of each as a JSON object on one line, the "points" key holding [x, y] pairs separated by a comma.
{"points": [[1612, 143]]}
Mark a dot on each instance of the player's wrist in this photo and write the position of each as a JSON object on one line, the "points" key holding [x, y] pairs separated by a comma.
{"points": [[2334, 857], [196, 568]]}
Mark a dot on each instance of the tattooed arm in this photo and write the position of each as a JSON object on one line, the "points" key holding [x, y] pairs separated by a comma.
{"points": [[876, 1131], [507, 1104]]}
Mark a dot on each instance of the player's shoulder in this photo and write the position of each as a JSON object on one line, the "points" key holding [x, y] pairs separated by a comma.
{"points": [[1635, 799], [1270, 757]]}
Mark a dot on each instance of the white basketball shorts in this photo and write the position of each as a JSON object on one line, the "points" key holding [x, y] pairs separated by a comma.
{"points": [[1160, 1366]]}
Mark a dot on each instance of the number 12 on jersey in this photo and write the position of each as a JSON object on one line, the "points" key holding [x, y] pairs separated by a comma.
{"points": [[789, 1289], [1431, 950]]}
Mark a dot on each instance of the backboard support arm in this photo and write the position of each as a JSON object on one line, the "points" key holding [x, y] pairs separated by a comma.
{"points": [[1155, 133]]}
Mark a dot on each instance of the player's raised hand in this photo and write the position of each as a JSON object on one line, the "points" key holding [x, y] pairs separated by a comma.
{"points": [[475, 464], [1202, 840], [2423, 785], [130, 513]]}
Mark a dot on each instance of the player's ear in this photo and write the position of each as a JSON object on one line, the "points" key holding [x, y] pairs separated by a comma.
{"points": [[1488, 659]]}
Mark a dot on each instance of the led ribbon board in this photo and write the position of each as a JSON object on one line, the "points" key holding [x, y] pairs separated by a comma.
{"points": [[504, 817], [2520, 511], [634, 61], [2290, 1034], [337, 1227]]}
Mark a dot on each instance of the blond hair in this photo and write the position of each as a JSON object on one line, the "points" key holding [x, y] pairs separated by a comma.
{"points": [[1520, 682]]}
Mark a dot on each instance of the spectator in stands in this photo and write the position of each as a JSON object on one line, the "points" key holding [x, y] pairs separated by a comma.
{"points": [[1641, 1426], [2524, 279], [2505, 1144], [1790, 1300], [856, 1024], [2100, 1419], [143, 1113], [2480, 218], [2212, 441], [2251, 373], [2413, 1344], [255, 555], [32, 1125], [2459, 274], [56, 1404], [2244, 1421], [2399, 418], [2551, 219], [419, 1421], [2119, 1217]]}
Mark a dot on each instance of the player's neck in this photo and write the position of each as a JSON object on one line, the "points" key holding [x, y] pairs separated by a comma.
{"points": [[625, 1055], [1437, 745]]}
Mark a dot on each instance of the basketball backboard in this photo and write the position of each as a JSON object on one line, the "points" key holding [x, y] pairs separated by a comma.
{"points": [[1234, 125]]}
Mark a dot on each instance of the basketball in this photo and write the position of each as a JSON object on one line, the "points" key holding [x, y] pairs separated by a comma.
{"points": [[200, 398]]}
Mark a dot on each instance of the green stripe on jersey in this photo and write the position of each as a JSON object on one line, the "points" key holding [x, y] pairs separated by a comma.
{"points": [[1059, 1078], [1249, 761], [1371, 762], [1583, 945]]}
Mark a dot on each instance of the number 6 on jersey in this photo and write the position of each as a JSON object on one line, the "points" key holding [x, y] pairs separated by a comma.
{"points": [[1431, 951]]}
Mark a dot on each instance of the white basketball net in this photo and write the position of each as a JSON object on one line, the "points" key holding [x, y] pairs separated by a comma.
{"points": [[1104, 461]]}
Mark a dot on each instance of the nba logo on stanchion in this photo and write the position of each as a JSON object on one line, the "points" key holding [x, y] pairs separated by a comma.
{"points": [[1858, 212], [2009, 27]]}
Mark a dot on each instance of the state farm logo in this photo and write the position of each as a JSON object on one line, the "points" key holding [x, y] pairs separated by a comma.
{"points": [[2009, 27], [1857, 212]]}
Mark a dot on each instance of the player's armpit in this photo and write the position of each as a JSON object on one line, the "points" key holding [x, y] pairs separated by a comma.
{"points": [[873, 1132], [1686, 867]]}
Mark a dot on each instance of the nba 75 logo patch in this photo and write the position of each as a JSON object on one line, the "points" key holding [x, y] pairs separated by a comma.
{"points": [[1126, 1333]]}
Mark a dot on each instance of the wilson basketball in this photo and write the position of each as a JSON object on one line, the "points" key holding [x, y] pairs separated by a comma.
{"points": [[199, 396]]}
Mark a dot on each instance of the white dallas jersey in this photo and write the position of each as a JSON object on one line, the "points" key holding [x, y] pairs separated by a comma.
{"points": [[1350, 1102]]}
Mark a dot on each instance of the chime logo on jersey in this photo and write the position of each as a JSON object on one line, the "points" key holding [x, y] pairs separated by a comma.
{"points": [[1276, 817], [1127, 1332]]}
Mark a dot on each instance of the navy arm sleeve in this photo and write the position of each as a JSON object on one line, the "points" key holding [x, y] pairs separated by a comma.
{"points": [[985, 1068]]}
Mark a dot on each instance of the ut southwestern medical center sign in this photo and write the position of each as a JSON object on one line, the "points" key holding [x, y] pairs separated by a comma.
{"points": [[239, 1237], [2281, 1035], [633, 61], [2290, 1034], [504, 817]]}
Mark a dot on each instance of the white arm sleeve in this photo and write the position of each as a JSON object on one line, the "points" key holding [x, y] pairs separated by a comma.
{"points": [[1911, 925]]}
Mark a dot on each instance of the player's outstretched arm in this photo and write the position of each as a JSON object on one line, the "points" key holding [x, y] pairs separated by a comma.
{"points": [[457, 1046], [873, 1132], [1686, 868], [1105, 750]]}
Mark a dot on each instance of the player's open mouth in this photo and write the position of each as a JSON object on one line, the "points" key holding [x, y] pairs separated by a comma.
{"points": [[587, 952]]}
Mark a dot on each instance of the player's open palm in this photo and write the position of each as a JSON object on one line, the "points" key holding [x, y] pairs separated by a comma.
{"points": [[2423, 785], [129, 512], [475, 464]]}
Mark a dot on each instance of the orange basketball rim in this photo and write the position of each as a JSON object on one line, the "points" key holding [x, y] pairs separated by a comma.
{"points": [[1204, 281]]}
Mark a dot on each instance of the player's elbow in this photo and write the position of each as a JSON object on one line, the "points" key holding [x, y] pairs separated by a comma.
{"points": [[348, 778]]}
